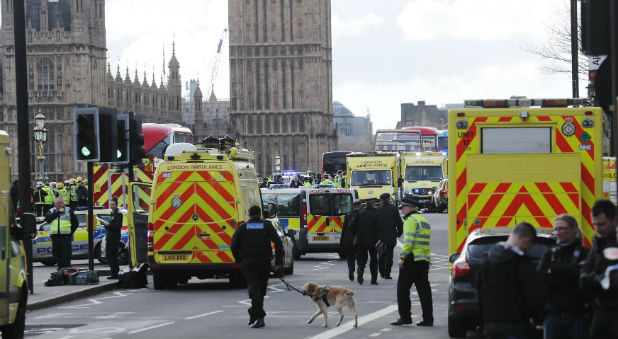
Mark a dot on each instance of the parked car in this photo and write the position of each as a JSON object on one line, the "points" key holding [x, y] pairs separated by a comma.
{"points": [[288, 246], [42, 247], [439, 199], [463, 308]]}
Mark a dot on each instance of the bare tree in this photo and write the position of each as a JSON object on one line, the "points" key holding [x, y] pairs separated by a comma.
{"points": [[557, 49]]}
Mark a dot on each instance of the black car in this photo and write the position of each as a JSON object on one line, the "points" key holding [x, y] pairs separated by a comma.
{"points": [[463, 308]]}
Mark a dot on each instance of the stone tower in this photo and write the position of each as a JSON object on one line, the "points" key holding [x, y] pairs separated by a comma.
{"points": [[66, 61], [174, 85], [281, 81]]}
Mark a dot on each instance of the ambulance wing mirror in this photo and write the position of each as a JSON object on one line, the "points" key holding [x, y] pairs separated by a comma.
{"points": [[453, 257], [400, 181]]}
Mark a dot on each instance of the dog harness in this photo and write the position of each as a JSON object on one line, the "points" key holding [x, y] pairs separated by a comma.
{"points": [[323, 295]]}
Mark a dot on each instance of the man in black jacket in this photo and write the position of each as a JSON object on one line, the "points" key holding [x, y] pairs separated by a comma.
{"points": [[365, 228], [82, 194], [560, 267], [604, 254], [347, 241], [251, 248], [112, 237], [390, 227], [510, 291]]}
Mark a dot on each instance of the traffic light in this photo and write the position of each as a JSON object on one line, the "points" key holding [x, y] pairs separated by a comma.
{"points": [[136, 139], [595, 19], [94, 134], [122, 141], [86, 133]]}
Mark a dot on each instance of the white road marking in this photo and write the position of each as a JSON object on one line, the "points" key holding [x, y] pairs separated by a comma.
{"points": [[377, 334], [150, 328], [114, 315], [202, 315], [248, 301], [362, 320]]}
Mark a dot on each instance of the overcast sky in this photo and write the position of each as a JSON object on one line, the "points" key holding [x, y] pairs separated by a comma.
{"points": [[384, 52]]}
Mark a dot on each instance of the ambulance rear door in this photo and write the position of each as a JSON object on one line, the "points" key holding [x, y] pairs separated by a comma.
{"points": [[139, 195]]}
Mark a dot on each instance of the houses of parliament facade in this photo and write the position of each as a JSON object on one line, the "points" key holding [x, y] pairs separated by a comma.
{"points": [[67, 68]]}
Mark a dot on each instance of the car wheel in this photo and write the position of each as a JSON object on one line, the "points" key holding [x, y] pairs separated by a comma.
{"points": [[295, 252], [99, 254], [48, 262], [16, 329], [158, 280], [290, 269], [456, 327]]}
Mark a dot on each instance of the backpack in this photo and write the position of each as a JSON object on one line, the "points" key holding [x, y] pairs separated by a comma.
{"points": [[56, 278], [84, 277]]}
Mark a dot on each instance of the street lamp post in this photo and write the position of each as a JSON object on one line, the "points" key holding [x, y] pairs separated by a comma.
{"points": [[40, 136]]}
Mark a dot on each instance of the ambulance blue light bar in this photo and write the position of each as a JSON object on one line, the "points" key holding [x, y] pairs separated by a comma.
{"points": [[505, 103]]}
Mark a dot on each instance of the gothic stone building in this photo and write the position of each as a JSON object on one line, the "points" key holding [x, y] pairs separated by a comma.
{"points": [[281, 81], [66, 66]]}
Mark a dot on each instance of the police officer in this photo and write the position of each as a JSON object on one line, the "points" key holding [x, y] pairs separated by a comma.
{"points": [[50, 197], [348, 239], [112, 237], [251, 248], [560, 267], [64, 194], [390, 227], [365, 228], [82, 193], [603, 255], [39, 199], [264, 183], [62, 224], [414, 263], [73, 194], [307, 182]]}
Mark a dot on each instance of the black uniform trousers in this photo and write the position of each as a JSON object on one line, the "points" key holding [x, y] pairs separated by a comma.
{"points": [[604, 323], [111, 254], [361, 259], [256, 271], [350, 257], [417, 273], [62, 250], [385, 261]]}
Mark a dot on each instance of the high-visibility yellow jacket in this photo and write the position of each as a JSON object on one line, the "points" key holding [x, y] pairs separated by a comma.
{"points": [[51, 195], [417, 235], [65, 195]]}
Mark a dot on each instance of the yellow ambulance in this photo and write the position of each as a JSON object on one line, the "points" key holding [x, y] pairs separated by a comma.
{"points": [[609, 178], [198, 198], [13, 282], [372, 174], [523, 160], [422, 173]]}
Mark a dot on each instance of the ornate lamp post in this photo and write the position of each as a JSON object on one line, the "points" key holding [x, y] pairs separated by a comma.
{"points": [[40, 136]]}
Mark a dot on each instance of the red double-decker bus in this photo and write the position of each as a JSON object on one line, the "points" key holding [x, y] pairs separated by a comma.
{"points": [[158, 136], [429, 137]]}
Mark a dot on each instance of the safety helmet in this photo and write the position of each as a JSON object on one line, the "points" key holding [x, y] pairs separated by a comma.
{"points": [[39, 184], [52, 184], [72, 181], [79, 179], [85, 181], [60, 185], [66, 182]]}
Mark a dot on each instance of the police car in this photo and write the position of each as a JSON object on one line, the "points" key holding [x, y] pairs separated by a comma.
{"points": [[42, 245]]}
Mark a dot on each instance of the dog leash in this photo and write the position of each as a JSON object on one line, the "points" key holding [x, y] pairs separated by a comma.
{"points": [[290, 287]]}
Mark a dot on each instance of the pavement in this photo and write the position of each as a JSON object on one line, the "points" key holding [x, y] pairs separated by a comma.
{"points": [[44, 296]]}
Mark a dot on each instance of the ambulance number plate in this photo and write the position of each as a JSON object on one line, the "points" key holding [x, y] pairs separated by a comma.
{"points": [[320, 238], [174, 257]]}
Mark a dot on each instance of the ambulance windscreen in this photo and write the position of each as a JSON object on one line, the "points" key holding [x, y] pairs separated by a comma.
{"points": [[369, 178]]}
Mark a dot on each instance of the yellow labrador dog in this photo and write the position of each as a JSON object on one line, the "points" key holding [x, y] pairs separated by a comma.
{"points": [[325, 296]]}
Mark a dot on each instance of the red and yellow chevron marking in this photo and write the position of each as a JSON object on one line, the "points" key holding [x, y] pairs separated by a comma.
{"points": [[494, 204], [205, 219], [316, 223], [100, 195], [118, 186]]}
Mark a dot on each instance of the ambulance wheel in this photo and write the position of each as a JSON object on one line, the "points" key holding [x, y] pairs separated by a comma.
{"points": [[456, 327], [158, 280], [171, 283], [290, 269], [16, 329], [48, 262]]}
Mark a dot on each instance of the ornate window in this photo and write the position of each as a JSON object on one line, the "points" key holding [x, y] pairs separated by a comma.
{"points": [[45, 75]]}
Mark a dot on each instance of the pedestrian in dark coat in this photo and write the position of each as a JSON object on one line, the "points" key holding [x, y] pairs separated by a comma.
{"points": [[82, 194], [251, 247], [348, 239], [365, 228], [560, 267], [596, 278], [509, 289], [390, 227], [112, 237]]}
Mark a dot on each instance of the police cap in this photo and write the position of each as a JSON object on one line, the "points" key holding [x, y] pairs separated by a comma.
{"points": [[407, 202], [357, 203], [385, 196]]}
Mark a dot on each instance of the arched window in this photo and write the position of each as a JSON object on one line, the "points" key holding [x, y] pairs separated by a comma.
{"points": [[45, 75]]}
